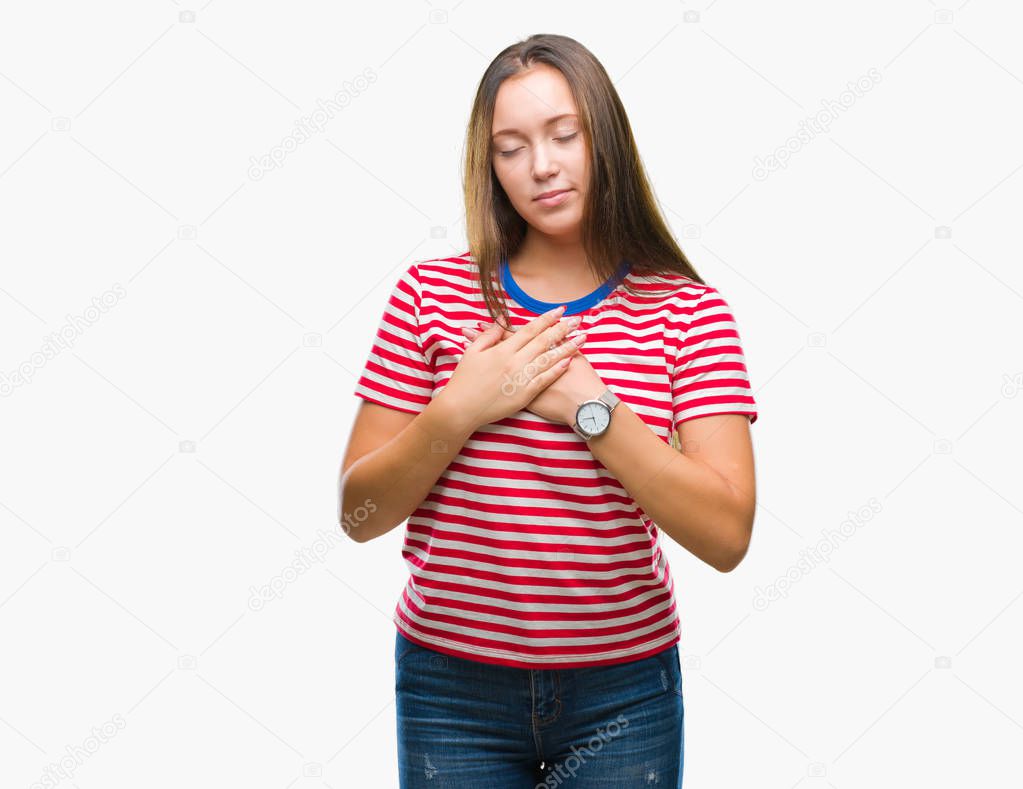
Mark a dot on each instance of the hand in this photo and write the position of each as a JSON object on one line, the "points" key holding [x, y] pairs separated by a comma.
{"points": [[497, 377], [559, 400]]}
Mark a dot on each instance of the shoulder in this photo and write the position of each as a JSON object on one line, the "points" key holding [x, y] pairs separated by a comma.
{"points": [[426, 275], [675, 295], [447, 282], [454, 266]]}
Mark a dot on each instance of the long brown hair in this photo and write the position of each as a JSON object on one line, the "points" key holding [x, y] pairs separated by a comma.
{"points": [[621, 218]]}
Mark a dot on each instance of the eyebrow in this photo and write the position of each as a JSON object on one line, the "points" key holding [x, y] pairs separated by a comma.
{"points": [[547, 122]]}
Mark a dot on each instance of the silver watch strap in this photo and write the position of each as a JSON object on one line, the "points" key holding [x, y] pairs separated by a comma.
{"points": [[609, 398]]}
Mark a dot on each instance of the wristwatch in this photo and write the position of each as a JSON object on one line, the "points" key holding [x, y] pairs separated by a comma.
{"points": [[593, 417]]}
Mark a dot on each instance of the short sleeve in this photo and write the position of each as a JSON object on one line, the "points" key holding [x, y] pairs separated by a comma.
{"points": [[397, 373], [709, 374]]}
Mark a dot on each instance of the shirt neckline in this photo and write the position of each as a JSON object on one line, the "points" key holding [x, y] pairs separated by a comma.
{"points": [[583, 303]]}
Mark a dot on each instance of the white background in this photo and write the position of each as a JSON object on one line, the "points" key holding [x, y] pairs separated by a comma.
{"points": [[188, 442]]}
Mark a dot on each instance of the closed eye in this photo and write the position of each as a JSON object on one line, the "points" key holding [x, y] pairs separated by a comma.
{"points": [[559, 139]]}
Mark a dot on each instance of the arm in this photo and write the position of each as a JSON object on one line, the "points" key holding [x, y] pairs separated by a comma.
{"points": [[393, 460], [394, 457], [703, 497]]}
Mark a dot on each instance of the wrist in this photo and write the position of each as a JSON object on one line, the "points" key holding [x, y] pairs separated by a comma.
{"points": [[449, 417], [577, 398], [604, 396]]}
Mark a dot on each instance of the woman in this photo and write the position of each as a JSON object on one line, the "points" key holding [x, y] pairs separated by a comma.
{"points": [[537, 636]]}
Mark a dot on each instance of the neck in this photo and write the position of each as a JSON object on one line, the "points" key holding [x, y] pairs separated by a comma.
{"points": [[557, 260]]}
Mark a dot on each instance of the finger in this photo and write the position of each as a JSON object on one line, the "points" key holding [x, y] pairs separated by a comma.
{"points": [[551, 337], [547, 377], [567, 348], [531, 330], [488, 337], [548, 360], [473, 333]]}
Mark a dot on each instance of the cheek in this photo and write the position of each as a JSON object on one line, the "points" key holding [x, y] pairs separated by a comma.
{"points": [[581, 166], [507, 177], [518, 189]]}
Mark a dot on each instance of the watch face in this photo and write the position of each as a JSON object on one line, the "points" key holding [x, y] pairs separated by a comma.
{"points": [[593, 417]]}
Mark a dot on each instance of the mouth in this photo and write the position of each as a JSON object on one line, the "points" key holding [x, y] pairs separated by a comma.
{"points": [[553, 193], [552, 198]]}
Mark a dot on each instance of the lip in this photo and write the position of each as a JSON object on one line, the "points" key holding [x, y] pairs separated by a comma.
{"points": [[554, 197]]}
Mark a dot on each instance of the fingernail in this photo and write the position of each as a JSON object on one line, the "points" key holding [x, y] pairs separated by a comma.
{"points": [[556, 310], [573, 321], [579, 339]]}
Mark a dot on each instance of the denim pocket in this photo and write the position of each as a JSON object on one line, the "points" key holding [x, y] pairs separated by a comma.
{"points": [[671, 670], [403, 647]]}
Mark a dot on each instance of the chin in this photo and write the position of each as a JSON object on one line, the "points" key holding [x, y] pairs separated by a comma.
{"points": [[555, 226], [559, 229]]}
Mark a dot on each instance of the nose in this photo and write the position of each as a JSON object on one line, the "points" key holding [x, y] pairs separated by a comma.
{"points": [[544, 165]]}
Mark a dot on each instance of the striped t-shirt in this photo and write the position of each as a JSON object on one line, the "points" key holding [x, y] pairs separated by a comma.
{"points": [[527, 552]]}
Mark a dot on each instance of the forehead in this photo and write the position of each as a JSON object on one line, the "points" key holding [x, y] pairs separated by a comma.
{"points": [[531, 99]]}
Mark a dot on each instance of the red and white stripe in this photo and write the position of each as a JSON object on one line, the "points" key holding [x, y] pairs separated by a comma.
{"points": [[527, 552]]}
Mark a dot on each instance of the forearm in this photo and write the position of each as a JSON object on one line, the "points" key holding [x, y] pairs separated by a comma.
{"points": [[688, 500], [382, 488]]}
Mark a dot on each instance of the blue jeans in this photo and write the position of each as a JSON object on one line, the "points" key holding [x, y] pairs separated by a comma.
{"points": [[463, 724]]}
